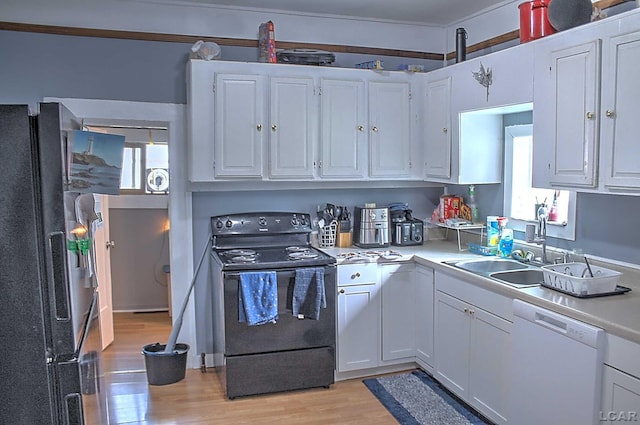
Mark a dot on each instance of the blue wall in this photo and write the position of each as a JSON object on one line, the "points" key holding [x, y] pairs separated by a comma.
{"points": [[38, 65]]}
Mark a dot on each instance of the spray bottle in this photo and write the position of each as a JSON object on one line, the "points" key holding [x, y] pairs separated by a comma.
{"points": [[472, 203]]}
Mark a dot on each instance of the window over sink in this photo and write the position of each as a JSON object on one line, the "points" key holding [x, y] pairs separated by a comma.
{"points": [[521, 199]]}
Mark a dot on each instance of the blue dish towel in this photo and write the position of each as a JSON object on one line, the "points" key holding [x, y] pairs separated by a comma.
{"points": [[258, 298], [308, 293]]}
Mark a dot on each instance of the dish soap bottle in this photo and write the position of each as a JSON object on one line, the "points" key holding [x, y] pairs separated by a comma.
{"points": [[472, 204], [506, 243]]}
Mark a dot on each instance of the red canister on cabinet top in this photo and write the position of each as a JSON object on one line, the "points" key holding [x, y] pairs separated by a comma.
{"points": [[533, 20]]}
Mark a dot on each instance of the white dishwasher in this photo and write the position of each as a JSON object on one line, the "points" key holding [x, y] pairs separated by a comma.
{"points": [[556, 368]]}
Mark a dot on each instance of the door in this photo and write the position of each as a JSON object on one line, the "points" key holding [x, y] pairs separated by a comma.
{"points": [[292, 129], [424, 314], [575, 73], [398, 311], [239, 119], [358, 327], [102, 247], [489, 364], [620, 397], [343, 135], [620, 110], [452, 343], [438, 129], [389, 129]]}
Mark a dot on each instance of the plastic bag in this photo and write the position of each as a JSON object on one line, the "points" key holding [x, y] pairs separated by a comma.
{"points": [[206, 50]]}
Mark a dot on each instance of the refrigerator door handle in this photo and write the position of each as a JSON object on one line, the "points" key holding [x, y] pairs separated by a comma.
{"points": [[58, 256]]}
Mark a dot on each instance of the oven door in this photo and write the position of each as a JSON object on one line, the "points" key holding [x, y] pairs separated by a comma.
{"points": [[288, 332]]}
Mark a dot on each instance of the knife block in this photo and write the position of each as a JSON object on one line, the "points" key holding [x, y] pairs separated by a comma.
{"points": [[343, 240]]}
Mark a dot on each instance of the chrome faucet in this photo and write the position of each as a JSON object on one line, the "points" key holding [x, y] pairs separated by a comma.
{"points": [[541, 237]]}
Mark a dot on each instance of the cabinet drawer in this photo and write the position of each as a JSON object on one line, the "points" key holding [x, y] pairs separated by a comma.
{"points": [[357, 274]]}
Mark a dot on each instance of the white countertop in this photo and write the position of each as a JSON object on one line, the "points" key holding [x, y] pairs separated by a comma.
{"points": [[617, 314]]}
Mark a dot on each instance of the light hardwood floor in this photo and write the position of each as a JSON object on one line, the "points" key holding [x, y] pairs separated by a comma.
{"points": [[199, 398]]}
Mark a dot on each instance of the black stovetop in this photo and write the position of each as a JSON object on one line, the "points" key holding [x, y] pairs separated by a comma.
{"points": [[265, 240], [274, 257]]}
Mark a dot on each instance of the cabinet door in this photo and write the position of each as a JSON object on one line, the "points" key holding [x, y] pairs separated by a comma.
{"points": [[398, 311], [239, 118], [620, 397], [389, 129], [489, 364], [575, 76], [425, 292], [343, 135], [452, 343], [358, 343], [200, 107], [437, 131], [292, 128], [620, 110]]}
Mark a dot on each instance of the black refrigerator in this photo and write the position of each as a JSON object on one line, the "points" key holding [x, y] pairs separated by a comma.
{"points": [[50, 348]]}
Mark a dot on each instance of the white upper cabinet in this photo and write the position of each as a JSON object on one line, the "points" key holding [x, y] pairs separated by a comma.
{"points": [[620, 167], [292, 127], [464, 106], [255, 121], [438, 129], [239, 120], [585, 106], [565, 118], [389, 129], [343, 130]]}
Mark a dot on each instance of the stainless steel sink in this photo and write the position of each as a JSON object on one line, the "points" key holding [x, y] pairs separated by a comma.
{"points": [[520, 278], [504, 270], [487, 266]]}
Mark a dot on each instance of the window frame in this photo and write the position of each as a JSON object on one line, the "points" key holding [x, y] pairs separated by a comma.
{"points": [[554, 230]]}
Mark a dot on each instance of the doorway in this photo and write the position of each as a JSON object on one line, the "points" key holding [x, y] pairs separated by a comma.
{"points": [[171, 117], [139, 222]]}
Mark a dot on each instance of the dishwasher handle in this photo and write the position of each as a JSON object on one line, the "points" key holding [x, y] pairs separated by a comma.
{"points": [[566, 326]]}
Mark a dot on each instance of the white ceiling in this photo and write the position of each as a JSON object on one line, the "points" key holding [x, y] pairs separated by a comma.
{"points": [[429, 12]]}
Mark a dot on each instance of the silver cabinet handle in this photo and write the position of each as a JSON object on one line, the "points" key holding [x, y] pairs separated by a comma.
{"points": [[259, 127], [110, 244], [609, 114], [342, 291], [274, 127], [355, 275], [361, 128], [374, 129]]}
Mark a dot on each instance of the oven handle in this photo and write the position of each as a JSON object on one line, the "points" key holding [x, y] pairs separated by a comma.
{"points": [[292, 272]]}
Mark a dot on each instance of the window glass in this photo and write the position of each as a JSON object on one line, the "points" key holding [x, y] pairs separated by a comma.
{"points": [[521, 200], [131, 168], [157, 163]]}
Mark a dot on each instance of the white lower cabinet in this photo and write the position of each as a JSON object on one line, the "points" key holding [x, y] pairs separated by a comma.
{"points": [[376, 321], [472, 350], [398, 312], [358, 305], [620, 398], [424, 315]]}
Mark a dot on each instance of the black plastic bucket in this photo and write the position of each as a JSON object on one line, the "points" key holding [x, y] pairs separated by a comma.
{"points": [[165, 368]]}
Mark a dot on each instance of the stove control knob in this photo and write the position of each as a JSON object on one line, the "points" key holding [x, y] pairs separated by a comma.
{"points": [[219, 224], [229, 223], [262, 221], [303, 221], [372, 215], [294, 220]]}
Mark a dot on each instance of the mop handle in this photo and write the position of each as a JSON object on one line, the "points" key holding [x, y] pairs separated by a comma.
{"points": [[171, 345]]}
